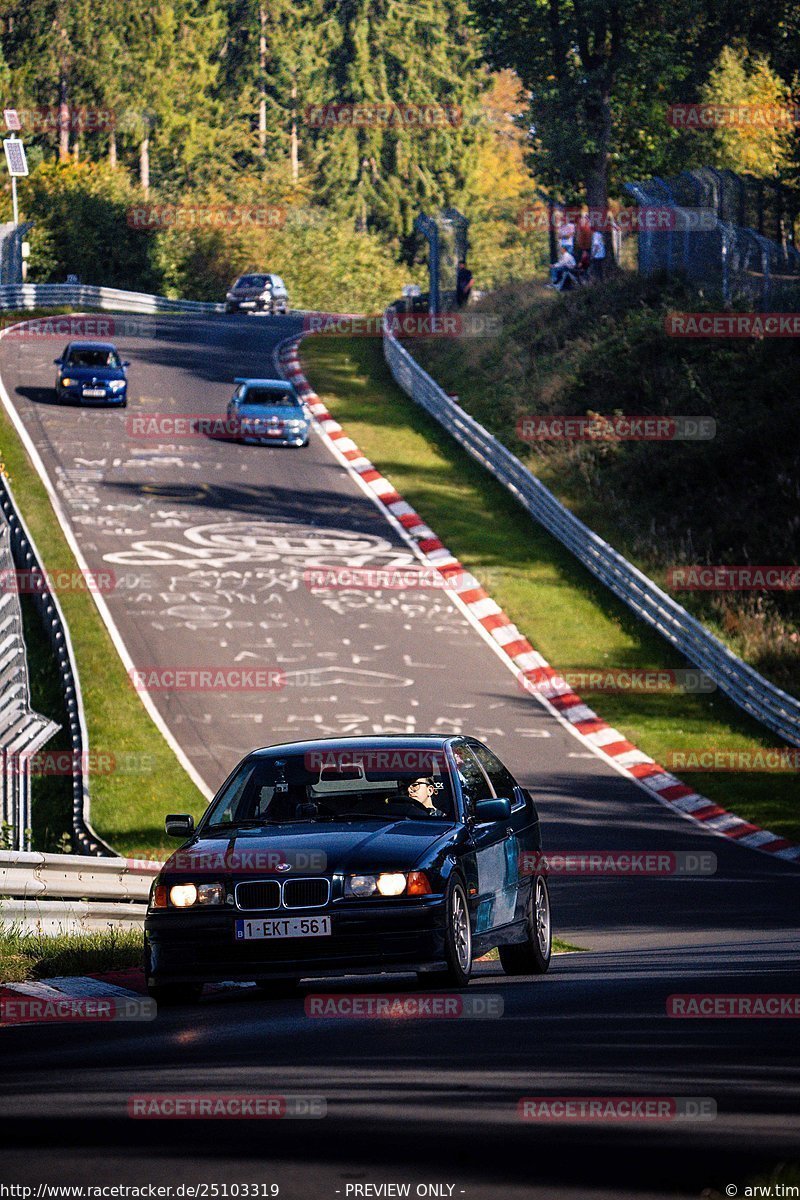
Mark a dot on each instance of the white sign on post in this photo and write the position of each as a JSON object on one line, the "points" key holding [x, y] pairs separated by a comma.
{"points": [[15, 157], [12, 118]]}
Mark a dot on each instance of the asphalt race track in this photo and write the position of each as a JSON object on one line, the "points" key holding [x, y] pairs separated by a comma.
{"points": [[208, 540]]}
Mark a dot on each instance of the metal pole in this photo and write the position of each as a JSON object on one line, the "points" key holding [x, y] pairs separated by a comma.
{"points": [[14, 200]]}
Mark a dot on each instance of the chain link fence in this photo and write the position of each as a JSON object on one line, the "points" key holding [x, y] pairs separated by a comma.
{"points": [[729, 234]]}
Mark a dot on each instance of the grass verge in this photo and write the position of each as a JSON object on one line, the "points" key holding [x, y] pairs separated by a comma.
{"points": [[144, 780], [557, 604], [26, 955], [664, 504]]}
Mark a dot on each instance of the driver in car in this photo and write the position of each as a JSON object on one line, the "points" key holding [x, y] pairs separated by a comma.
{"points": [[422, 790]]}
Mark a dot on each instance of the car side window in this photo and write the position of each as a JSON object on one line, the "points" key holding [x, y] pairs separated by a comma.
{"points": [[474, 784], [500, 777]]}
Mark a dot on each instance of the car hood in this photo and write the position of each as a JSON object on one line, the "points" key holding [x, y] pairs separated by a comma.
{"points": [[351, 846], [101, 374], [264, 411], [251, 293]]}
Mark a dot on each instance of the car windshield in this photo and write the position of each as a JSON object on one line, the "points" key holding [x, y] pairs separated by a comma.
{"points": [[93, 358], [282, 399], [251, 281], [331, 786]]}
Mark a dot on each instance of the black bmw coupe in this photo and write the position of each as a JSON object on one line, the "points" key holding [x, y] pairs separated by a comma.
{"points": [[352, 856]]}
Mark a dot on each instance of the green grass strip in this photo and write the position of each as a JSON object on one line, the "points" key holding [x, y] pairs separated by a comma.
{"points": [[570, 618], [27, 955]]}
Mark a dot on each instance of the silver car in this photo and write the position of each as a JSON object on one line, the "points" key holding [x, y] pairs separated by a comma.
{"points": [[264, 293]]}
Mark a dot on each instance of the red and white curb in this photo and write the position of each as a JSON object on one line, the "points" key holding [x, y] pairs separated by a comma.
{"points": [[68, 997], [534, 674]]}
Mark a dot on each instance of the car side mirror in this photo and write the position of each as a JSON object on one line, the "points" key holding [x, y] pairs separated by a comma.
{"points": [[179, 824], [58, 362], [126, 364], [492, 812]]}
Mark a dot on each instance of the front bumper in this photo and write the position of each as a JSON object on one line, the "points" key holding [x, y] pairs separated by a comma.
{"points": [[76, 394], [201, 947], [263, 437]]}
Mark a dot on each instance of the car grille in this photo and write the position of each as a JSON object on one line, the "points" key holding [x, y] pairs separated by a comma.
{"points": [[305, 893], [264, 894]]}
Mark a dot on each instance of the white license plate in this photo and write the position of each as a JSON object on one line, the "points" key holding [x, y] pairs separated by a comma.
{"points": [[247, 304], [283, 927], [94, 391]]}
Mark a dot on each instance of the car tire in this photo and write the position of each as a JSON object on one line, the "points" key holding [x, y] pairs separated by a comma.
{"points": [[172, 994], [230, 309], [532, 957], [278, 989], [457, 940]]}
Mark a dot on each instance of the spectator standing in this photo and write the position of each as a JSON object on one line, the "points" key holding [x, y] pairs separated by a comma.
{"points": [[598, 262], [463, 284]]}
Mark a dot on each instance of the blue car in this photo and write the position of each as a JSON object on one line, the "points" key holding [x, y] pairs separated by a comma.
{"points": [[92, 373], [268, 410]]}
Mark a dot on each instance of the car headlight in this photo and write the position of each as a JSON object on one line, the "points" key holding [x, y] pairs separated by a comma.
{"points": [[360, 886], [66, 382], [186, 895], [183, 895], [117, 385], [388, 883]]}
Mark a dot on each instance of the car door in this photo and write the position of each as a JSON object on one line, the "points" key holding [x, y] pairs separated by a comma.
{"points": [[523, 827], [493, 849]]}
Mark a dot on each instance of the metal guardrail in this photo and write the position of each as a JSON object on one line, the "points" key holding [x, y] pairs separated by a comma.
{"points": [[26, 558], [63, 893], [22, 731], [758, 697], [56, 295]]}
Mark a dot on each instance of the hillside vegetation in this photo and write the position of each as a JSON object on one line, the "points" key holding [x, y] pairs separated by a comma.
{"points": [[729, 500]]}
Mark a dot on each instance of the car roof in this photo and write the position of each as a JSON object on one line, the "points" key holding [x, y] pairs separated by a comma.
{"points": [[377, 742], [272, 385], [91, 346]]}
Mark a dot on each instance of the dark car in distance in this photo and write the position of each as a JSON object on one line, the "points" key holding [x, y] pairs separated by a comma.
{"points": [[257, 293], [351, 856], [93, 373]]}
